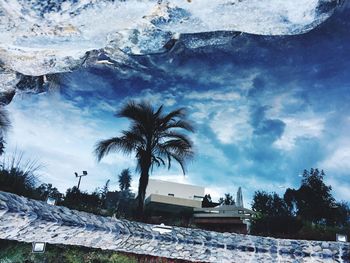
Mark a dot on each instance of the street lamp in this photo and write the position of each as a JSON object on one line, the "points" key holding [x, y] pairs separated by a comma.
{"points": [[76, 175]]}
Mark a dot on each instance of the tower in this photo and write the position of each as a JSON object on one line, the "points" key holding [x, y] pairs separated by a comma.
{"points": [[239, 198]]}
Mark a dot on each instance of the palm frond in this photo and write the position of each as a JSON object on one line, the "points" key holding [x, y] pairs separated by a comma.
{"points": [[180, 124], [104, 147], [179, 113], [176, 135]]}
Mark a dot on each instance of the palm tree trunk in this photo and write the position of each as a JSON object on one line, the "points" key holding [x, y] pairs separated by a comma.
{"points": [[145, 166]]}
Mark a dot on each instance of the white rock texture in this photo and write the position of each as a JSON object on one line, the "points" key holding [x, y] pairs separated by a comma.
{"points": [[28, 220]]}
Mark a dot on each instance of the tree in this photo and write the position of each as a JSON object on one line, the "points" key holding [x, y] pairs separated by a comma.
{"points": [[83, 201], [124, 180], [46, 190], [5, 124], [269, 204], [227, 200], [313, 200], [273, 215], [153, 137], [207, 202], [105, 190]]}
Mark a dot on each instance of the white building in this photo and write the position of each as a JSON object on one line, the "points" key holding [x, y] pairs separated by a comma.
{"points": [[172, 196]]}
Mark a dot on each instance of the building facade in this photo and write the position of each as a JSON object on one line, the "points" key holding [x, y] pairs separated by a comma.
{"points": [[172, 197]]}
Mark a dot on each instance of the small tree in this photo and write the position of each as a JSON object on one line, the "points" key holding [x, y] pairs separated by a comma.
{"points": [[124, 180], [227, 200], [46, 190], [105, 190]]}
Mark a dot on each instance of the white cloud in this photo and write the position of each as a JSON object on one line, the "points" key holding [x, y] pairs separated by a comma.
{"points": [[304, 125], [205, 148], [231, 125], [338, 159], [340, 188], [213, 95]]}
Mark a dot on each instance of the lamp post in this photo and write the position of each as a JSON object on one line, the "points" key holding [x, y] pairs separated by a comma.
{"points": [[76, 175]]}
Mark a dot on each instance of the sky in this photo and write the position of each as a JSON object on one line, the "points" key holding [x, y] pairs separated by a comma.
{"points": [[264, 109]]}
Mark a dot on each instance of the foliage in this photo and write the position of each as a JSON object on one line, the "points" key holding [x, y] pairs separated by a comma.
{"points": [[19, 176], [270, 204], [154, 139], [207, 202], [310, 212], [104, 190], [124, 180], [46, 190], [227, 200], [280, 226], [313, 200], [16, 252], [76, 199]]}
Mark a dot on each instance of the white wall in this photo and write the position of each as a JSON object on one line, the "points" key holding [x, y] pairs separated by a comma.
{"points": [[178, 190]]}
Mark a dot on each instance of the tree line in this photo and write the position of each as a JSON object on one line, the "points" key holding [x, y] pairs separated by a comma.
{"points": [[309, 212]]}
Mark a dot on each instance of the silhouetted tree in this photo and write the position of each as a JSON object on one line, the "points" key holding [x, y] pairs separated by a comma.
{"points": [[207, 201], [273, 215], [105, 190], [269, 204], [124, 180], [75, 199], [313, 201], [47, 190], [154, 138], [227, 200]]}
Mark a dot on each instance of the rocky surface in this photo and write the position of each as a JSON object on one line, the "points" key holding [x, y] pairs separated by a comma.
{"points": [[38, 38], [28, 220]]}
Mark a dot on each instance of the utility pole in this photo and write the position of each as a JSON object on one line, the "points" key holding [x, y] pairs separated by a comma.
{"points": [[76, 175]]}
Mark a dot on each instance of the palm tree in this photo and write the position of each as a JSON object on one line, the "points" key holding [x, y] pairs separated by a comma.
{"points": [[124, 180], [153, 137], [5, 124]]}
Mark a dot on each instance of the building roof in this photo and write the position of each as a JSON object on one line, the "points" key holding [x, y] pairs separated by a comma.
{"points": [[224, 211]]}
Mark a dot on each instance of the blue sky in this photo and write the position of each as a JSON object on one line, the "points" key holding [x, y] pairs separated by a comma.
{"points": [[264, 108]]}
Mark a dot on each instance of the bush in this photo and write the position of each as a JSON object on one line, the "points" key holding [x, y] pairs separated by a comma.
{"points": [[281, 226], [82, 201], [18, 176]]}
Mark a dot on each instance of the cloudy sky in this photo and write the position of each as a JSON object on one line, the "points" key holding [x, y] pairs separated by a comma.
{"points": [[264, 108]]}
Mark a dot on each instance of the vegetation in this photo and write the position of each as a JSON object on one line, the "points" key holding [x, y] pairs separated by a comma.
{"points": [[154, 139], [227, 200], [18, 175], [207, 202], [124, 180], [310, 212], [16, 252], [83, 201]]}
